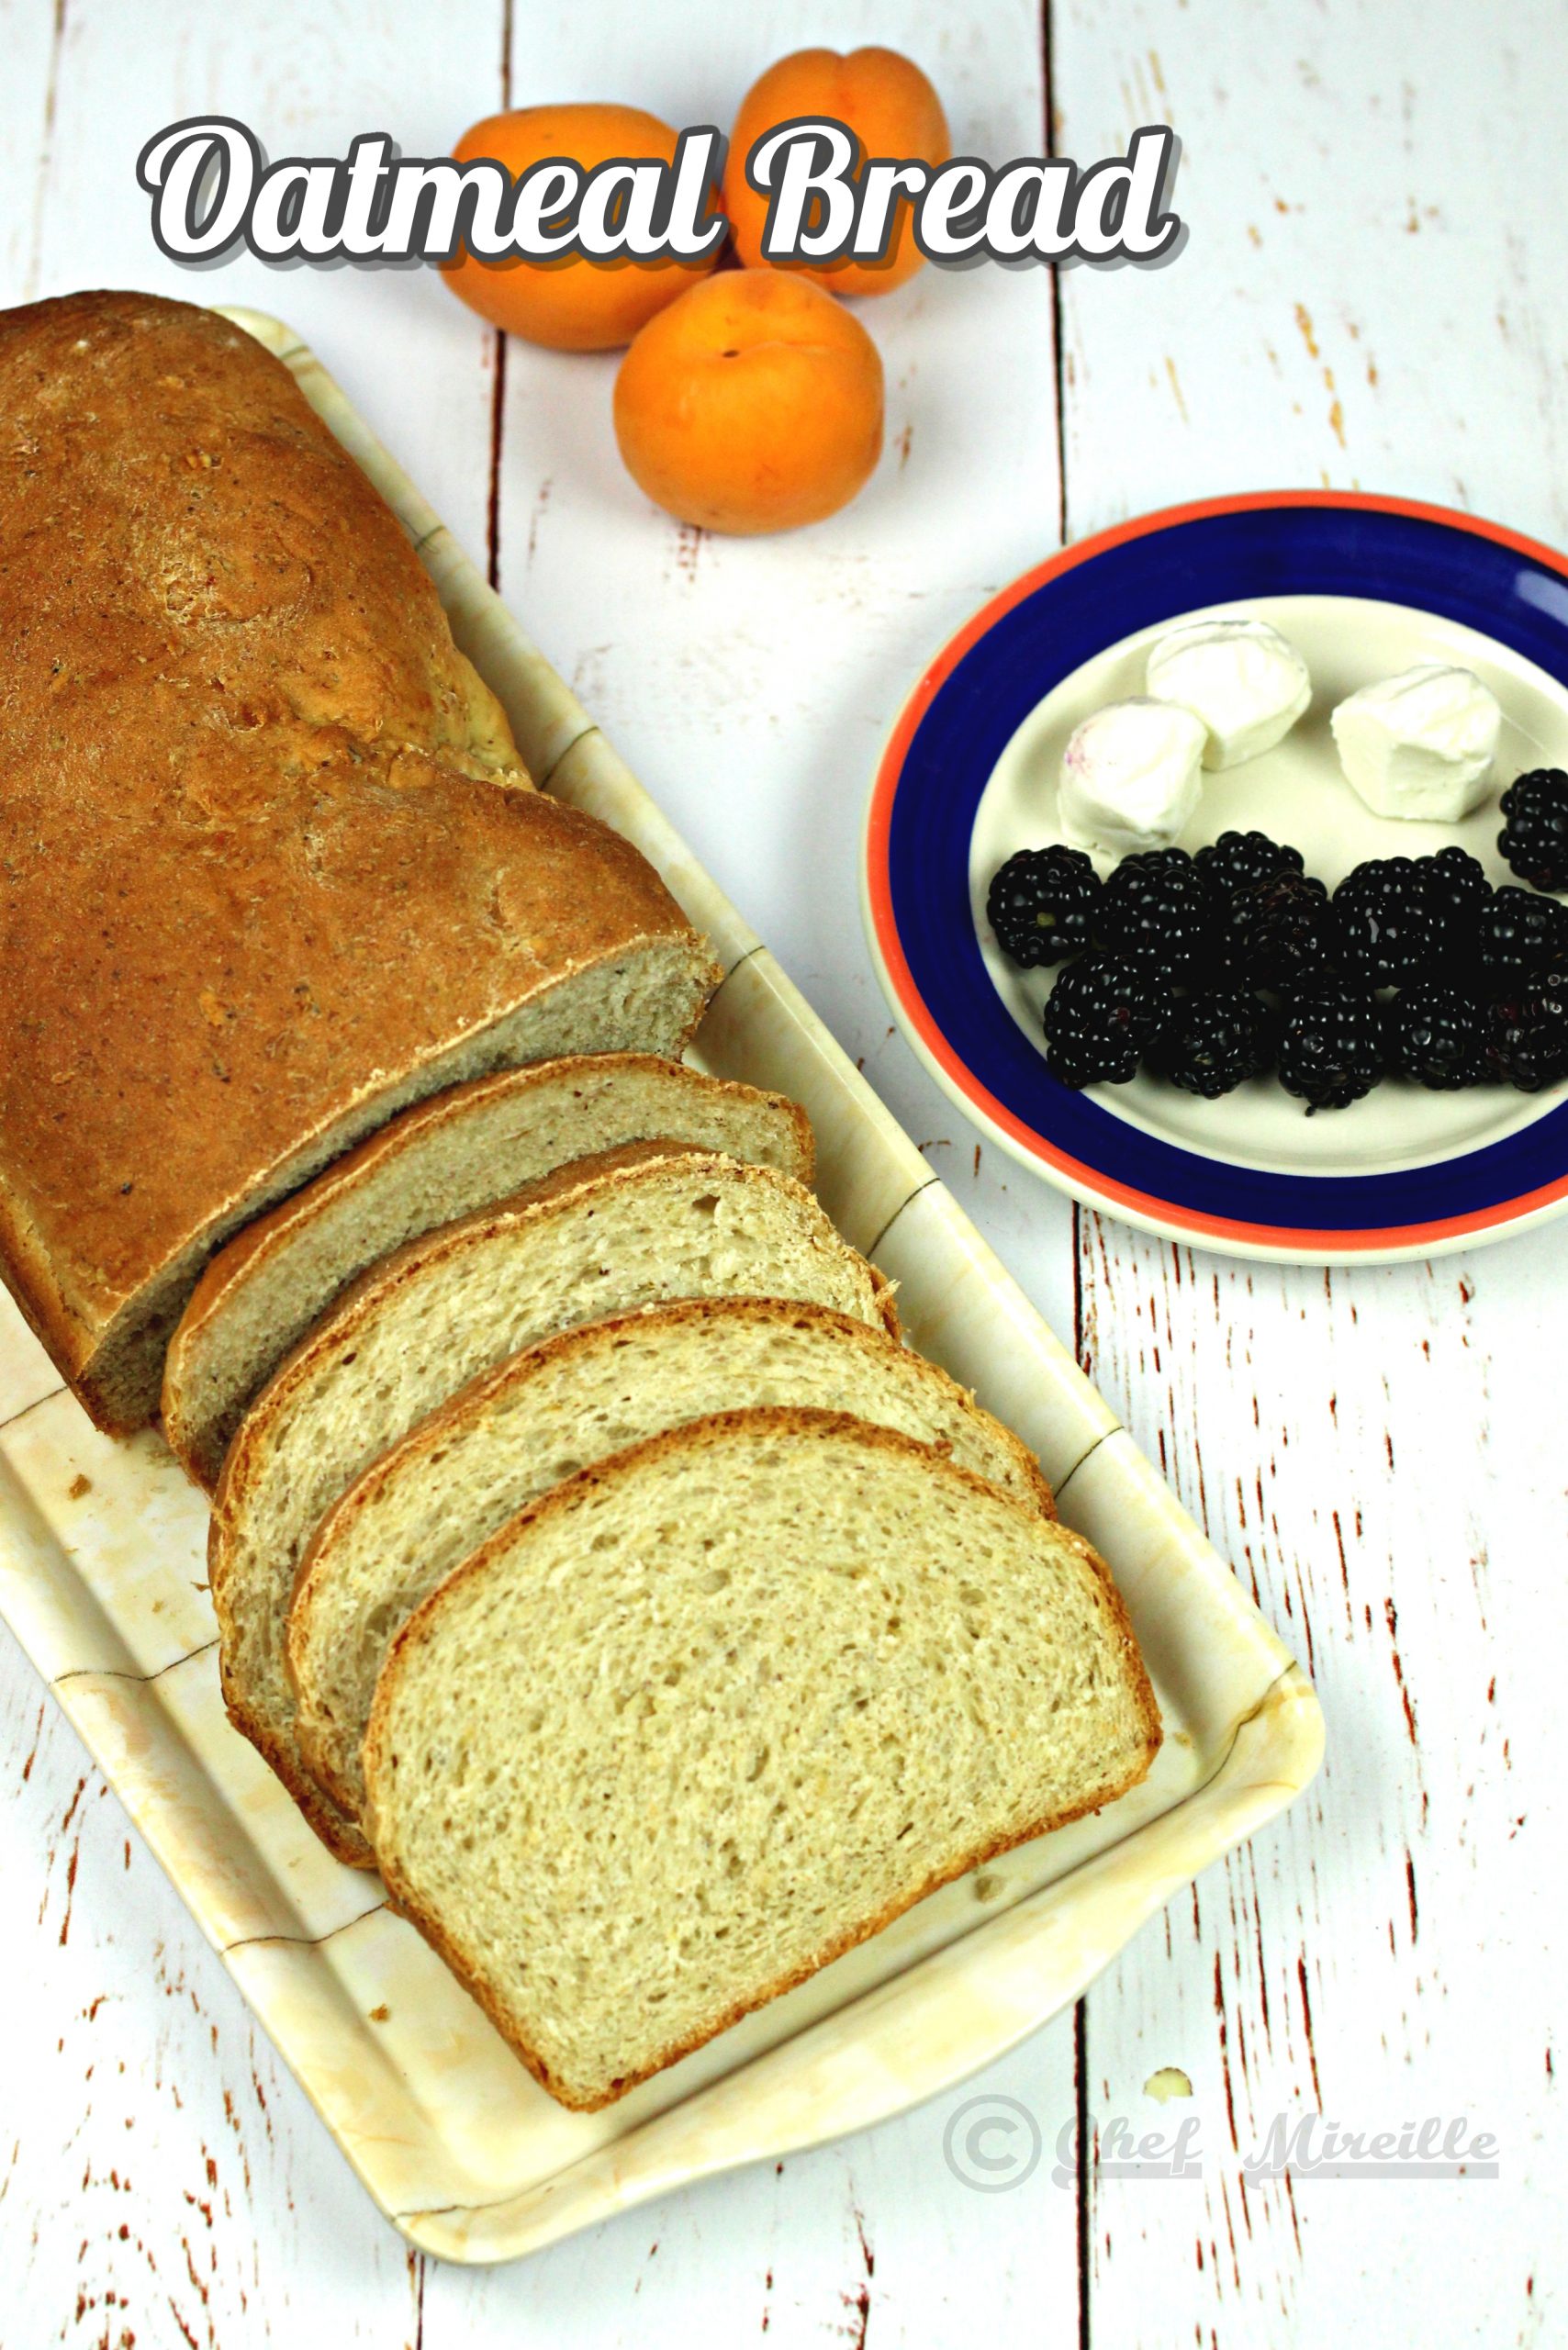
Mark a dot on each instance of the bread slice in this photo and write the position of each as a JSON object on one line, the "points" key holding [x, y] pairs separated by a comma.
{"points": [[628, 1228], [445, 1158], [540, 1417], [268, 876], [722, 1706]]}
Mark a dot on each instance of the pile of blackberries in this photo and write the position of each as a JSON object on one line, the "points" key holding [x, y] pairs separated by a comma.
{"points": [[1213, 969]]}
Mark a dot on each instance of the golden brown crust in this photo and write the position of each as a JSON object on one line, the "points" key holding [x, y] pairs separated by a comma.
{"points": [[826, 1425], [537, 1362], [235, 1265], [258, 876], [344, 1838]]}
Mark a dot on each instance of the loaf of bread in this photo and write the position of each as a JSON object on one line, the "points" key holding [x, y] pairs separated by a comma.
{"points": [[718, 1709], [626, 1229], [540, 1417], [587, 1551], [444, 1158], [269, 869]]}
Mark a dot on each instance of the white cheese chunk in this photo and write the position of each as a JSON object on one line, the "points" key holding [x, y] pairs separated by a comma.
{"points": [[1245, 681], [1421, 744], [1131, 777]]}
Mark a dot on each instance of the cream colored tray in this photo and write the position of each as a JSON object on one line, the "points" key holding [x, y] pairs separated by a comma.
{"points": [[102, 1577]]}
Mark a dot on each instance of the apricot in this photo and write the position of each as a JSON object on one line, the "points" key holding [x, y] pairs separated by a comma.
{"points": [[752, 404], [888, 104], [574, 305]]}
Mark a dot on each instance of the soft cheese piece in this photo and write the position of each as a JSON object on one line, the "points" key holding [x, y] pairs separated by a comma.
{"points": [[1245, 681], [1422, 744], [721, 1707], [1131, 777]]}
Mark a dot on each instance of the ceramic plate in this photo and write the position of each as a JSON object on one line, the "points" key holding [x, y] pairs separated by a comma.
{"points": [[1365, 587]]}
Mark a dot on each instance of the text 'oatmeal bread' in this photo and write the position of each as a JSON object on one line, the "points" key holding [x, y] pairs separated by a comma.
{"points": [[717, 1710], [444, 1158], [540, 1417], [269, 870], [634, 1227]]}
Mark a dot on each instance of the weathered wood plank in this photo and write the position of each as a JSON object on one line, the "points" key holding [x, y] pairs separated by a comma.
{"points": [[1359, 303], [305, 79], [162, 2180], [1381, 1954], [1371, 293]]}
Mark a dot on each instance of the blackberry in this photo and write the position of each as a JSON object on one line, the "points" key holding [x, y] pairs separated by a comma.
{"points": [[1100, 1015], [1331, 1044], [1435, 1034], [1236, 860], [1457, 887], [1157, 907], [1041, 905], [1220, 964], [1388, 932], [1214, 1040], [1527, 1032], [1284, 928], [1535, 837], [1517, 933]]}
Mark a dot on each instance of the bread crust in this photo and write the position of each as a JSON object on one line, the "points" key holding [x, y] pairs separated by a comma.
{"points": [[344, 1838], [710, 1431], [603, 1171], [538, 1362], [261, 1243], [251, 788]]}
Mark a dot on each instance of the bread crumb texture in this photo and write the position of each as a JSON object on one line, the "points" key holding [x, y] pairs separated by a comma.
{"points": [[626, 1229], [446, 1158], [542, 1416], [700, 1721]]}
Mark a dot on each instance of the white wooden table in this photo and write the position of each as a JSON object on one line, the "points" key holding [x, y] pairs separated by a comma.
{"points": [[1372, 296]]}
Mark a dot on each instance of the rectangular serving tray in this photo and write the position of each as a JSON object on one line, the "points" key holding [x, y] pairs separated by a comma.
{"points": [[103, 1579]]}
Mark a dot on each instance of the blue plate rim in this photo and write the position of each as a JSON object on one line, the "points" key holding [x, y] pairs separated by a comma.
{"points": [[1500, 1185]]}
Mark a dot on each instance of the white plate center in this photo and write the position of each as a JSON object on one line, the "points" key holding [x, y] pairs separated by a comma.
{"points": [[1296, 793]]}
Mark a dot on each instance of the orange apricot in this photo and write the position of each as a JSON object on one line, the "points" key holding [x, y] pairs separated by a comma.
{"points": [[754, 403], [888, 104], [578, 304]]}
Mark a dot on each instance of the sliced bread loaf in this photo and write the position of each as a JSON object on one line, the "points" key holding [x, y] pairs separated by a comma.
{"points": [[266, 880], [540, 1417], [629, 1228], [444, 1158], [718, 1709]]}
